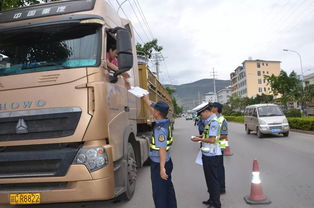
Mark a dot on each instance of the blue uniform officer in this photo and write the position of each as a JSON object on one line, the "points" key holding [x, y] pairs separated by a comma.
{"points": [[217, 109], [211, 155], [161, 163]]}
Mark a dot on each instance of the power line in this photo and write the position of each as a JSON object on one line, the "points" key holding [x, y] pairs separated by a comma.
{"points": [[111, 4], [138, 19], [137, 4], [129, 18]]}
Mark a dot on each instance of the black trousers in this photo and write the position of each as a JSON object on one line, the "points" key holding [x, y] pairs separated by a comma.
{"points": [[221, 174], [210, 166], [163, 191]]}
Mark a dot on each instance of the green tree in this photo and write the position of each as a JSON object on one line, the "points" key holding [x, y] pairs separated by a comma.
{"points": [[148, 48], [177, 109], [289, 87], [234, 102], [263, 99]]}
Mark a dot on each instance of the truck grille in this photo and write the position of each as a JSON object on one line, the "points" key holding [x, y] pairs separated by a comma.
{"points": [[38, 124], [32, 187], [49, 160]]}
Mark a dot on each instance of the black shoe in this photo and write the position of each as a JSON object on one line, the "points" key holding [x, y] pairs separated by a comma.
{"points": [[208, 202]]}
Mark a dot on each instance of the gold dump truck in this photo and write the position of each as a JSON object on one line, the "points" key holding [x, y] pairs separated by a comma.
{"points": [[69, 129]]}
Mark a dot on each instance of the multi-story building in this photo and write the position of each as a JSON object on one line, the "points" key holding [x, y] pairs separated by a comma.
{"points": [[249, 80], [224, 94], [309, 79]]}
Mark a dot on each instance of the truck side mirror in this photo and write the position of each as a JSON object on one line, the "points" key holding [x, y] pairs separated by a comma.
{"points": [[124, 48]]}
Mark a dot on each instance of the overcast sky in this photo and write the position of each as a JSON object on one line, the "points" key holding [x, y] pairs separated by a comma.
{"points": [[200, 35]]}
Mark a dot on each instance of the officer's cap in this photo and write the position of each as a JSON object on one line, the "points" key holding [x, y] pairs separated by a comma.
{"points": [[161, 107], [206, 107]]}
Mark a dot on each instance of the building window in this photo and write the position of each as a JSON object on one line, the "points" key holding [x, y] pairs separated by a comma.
{"points": [[266, 64], [258, 73], [264, 81], [265, 89], [267, 72], [258, 65], [263, 72], [259, 81], [268, 88], [262, 64], [260, 89]]}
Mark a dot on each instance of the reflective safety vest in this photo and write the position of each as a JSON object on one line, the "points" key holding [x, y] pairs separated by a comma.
{"points": [[223, 143], [206, 129], [169, 140]]}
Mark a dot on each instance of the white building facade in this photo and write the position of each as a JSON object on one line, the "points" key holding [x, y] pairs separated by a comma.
{"points": [[210, 97], [224, 95]]}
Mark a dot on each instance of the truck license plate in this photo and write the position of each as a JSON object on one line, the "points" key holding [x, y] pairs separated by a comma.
{"points": [[25, 198]]}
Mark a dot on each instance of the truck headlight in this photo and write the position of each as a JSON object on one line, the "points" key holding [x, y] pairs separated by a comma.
{"points": [[93, 158]]}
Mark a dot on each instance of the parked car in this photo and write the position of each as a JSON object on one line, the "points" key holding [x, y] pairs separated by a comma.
{"points": [[265, 119], [189, 117]]}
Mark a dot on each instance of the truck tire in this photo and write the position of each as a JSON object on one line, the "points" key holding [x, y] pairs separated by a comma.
{"points": [[259, 133], [131, 174]]}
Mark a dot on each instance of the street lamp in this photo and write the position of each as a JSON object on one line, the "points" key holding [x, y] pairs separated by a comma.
{"points": [[288, 50], [303, 83]]}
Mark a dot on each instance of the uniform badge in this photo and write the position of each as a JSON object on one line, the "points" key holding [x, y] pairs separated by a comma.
{"points": [[224, 128], [213, 128], [161, 138]]}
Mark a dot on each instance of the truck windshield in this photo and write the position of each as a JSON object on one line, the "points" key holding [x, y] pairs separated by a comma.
{"points": [[266, 111], [49, 48]]}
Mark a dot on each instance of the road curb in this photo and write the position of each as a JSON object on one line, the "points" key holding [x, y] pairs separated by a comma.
{"points": [[302, 131]]}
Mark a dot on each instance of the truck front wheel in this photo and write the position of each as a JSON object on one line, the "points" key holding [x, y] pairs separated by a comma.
{"points": [[131, 174]]}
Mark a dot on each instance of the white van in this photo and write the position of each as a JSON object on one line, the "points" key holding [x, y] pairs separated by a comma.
{"points": [[265, 119]]}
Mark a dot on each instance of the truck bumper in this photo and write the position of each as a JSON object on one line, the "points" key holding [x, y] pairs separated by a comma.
{"points": [[77, 185], [101, 189]]}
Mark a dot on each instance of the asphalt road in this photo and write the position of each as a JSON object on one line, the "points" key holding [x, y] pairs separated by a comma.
{"points": [[286, 164]]}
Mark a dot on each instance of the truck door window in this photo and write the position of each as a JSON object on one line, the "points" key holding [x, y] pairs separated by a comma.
{"points": [[111, 53]]}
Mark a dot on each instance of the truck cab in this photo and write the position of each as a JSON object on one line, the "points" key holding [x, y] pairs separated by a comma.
{"points": [[68, 126]]}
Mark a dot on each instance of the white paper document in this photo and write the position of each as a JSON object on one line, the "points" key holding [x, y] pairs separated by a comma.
{"points": [[138, 92], [199, 160]]}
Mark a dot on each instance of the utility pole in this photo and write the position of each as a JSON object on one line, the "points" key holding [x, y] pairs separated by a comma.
{"points": [[214, 78], [157, 58], [157, 67]]}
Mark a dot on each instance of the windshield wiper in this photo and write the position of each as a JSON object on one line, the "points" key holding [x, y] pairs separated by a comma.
{"points": [[38, 65]]}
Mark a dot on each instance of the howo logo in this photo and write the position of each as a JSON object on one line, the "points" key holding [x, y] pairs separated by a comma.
{"points": [[22, 105]]}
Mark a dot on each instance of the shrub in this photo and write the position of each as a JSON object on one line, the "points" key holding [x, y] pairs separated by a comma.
{"points": [[293, 113], [304, 123], [239, 119]]}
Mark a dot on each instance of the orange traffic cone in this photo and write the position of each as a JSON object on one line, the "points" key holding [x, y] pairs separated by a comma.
{"points": [[256, 196], [227, 151]]}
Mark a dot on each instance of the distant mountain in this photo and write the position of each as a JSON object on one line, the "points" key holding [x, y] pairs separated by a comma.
{"points": [[191, 94]]}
